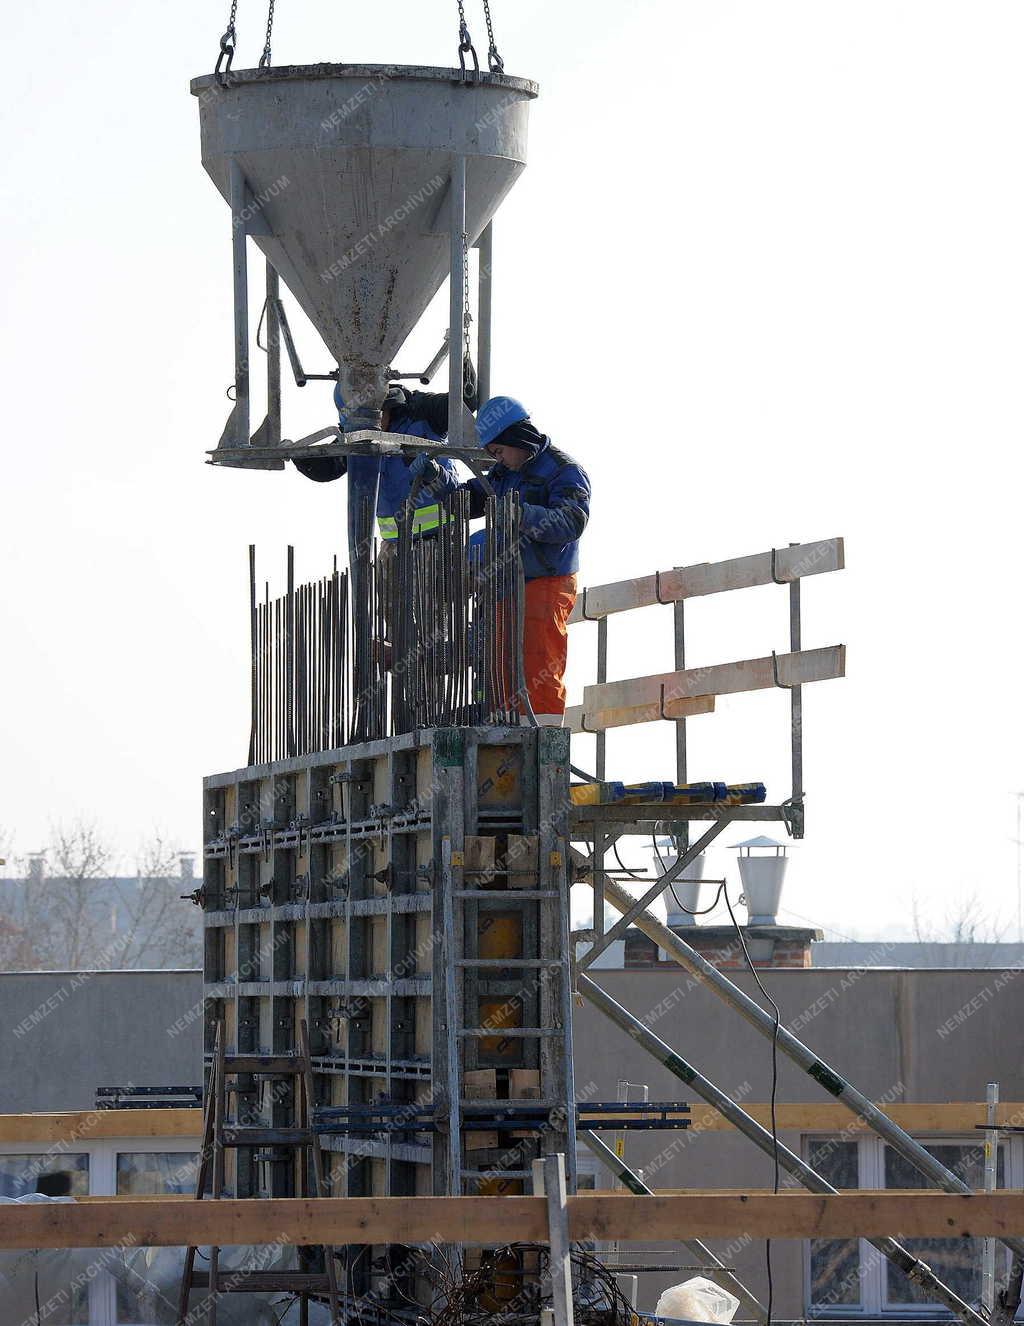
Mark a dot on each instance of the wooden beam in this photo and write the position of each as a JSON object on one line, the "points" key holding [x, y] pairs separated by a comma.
{"points": [[751, 674], [92, 1125], [803, 559], [469, 1220], [576, 721]]}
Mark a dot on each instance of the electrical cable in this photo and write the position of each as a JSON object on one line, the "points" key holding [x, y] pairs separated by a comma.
{"points": [[672, 888], [776, 1021], [633, 874]]}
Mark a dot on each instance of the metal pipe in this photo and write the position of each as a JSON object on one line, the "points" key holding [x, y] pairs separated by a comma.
{"points": [[485, 251], [456, 311], [796, 711], [824, 1074], [253, 656], [788, 1160], [988, 1247], [240, 414], [706, 1258], [680, 830], [273, 435]]}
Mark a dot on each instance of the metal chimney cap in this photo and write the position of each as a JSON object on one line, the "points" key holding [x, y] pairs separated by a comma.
{"points": [[761, 840], [384, 72]]}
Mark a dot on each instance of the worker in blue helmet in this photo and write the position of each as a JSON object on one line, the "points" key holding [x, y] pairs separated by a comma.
{"points": [[554, 496], [416, 414]]}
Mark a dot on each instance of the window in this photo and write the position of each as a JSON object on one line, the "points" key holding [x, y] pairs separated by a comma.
{"points": [[147, 1278], [133, 1286], [56, 1175], [957, 1262], [849, 1276], [835, 1264]]}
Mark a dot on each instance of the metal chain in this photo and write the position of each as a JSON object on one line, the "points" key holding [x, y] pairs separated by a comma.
{"points": [[265, 57], [494, 61], [227, 42], [467, 317], [466, 42]]}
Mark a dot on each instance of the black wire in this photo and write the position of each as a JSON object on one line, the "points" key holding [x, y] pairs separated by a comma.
{"points": [[776, 1020], [633, 874], [672, 887]]}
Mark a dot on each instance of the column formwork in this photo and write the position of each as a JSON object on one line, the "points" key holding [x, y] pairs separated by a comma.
{"points": [[409, 899]]}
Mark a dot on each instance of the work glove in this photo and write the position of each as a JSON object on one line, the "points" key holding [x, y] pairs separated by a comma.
{"points": [[424, 467]]}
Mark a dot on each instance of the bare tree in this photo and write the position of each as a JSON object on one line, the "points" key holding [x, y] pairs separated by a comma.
{"points": [[78, 858], [159, 928], [966, 922], [17, 948], [79, 916]]}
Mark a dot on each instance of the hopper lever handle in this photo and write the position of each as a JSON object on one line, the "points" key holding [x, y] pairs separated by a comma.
{"points": [[430, 369]]}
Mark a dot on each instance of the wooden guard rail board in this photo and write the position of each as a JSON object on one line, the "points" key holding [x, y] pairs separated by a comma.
{"points": [[751, 674], [472, 1220], [791, 563]]}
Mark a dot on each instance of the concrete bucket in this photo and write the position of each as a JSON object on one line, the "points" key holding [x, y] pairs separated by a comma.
{"points": [[342, 174]]}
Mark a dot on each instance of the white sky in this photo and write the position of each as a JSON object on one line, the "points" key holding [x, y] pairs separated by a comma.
{"points": [[763, 276]]}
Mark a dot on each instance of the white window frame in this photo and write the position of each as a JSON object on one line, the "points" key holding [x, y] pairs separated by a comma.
{"points": [[871, 1175], [103, 1183]]}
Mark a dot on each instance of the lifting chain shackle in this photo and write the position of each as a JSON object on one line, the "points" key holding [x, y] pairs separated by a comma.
{"points": [[227, 45], [466, 43], [494, 61], [265, 57], [467, 317]]}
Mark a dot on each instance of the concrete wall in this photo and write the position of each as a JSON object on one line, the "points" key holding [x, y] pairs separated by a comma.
{"points": [[897, 1035], [63, 1034]]}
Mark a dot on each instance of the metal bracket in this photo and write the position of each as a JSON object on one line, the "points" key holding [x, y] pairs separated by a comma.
{"points": [[774, 570], [782, 685], [667, 603], [586, 616]]}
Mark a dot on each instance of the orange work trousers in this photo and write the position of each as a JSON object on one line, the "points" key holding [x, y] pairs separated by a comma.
{"points": [[549, 601]]}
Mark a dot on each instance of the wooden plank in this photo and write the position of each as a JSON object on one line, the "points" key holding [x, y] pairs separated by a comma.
{"points": [[750, 674], [364, 1220], [91, 1125], [286, 1064], [576, 720], [803, 559]]}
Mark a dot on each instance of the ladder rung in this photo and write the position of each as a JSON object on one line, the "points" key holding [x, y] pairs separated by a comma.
{"points": [[231, 1281], [509, 962], [262, 1063], [511, 1033], [266, 1136]]}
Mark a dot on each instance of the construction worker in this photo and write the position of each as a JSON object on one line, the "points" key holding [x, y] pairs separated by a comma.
{"points": [[416, 414], [554, 494]]}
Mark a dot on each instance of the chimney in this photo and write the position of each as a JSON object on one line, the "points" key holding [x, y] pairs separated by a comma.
{"points": [[762, 877], [187, 864], [35, 867], [684, 891]]}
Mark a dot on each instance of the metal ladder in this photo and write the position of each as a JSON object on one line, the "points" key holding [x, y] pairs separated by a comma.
{"points": [[466, 973], [218, 1135]]}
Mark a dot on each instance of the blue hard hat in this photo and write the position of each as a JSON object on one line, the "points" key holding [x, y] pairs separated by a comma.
{"points": [[339, 401], [499, 413]]}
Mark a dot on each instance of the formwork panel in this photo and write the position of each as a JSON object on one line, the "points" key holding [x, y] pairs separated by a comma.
{"points": [[374, 892]]}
